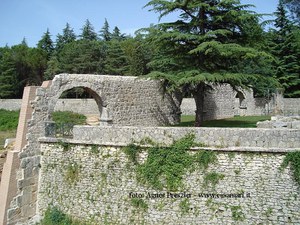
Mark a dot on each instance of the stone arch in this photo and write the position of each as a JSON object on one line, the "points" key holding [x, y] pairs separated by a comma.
{"points": [[57, 89], [240, 104], [241, 99]]}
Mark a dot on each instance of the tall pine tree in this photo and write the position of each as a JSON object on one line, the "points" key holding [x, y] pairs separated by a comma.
{"points": [[88, 32], [205, 46], [287, 50], [67, 37], [46, 44], [104, 32]]}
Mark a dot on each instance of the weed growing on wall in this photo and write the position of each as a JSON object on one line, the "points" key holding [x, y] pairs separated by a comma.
{"points": [[139, 203], [72, 172], [54, 216], [65, 145], [95, 149], [204, 158], [166, 166], [212, 178], [184, 206], [237, 213], [132, 151], [293, 159]]}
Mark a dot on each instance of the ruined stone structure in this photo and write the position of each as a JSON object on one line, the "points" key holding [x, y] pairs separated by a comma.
{"points": [[222, 102], [120, 100], [132, 109]]}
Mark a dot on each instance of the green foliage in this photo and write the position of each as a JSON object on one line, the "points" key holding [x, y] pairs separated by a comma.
{"points": [[237, 213], [115, 62], [95, 149], [293, 159], [166, 166], [286, 48], [184, 206], [82, 56], [294, 7], [210, 43], [138, 55], [132, 151], [205, 158], [8, 120], [68, 117], [104, 32], [54, 216], [46, 44], [139, 203], [212, 178], [20, 66], [72, 172], [65, 145], [88, 32], [68, 36]]}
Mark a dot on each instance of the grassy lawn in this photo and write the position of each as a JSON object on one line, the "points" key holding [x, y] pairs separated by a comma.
{"points": [[68, 117], [9, 122], [238, 121], [8, 125]]}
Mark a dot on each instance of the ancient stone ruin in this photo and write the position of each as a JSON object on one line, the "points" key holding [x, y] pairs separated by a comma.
{"points": [[250, 186]]}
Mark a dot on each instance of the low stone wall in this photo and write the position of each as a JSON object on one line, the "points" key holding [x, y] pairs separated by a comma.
{"points": [[10, 104], [291, 106], [105, 190], [82, 106], [214, 137]]}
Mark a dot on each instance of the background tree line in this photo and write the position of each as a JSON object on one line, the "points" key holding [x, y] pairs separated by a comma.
{"points": [[88, 53], [213, 41]]}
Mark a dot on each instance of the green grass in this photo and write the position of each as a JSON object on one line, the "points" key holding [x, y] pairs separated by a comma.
{"points": [[8, 120], [238, 121], [8, 125], [68, 117]]}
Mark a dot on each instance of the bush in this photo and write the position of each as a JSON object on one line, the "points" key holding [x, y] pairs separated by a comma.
{"points": [[53, 216]]}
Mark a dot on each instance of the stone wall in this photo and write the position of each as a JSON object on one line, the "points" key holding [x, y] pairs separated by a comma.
{"points": [[214, 137], [10, 104], [252, 189], [224, 102], [291, 106], [120, 100], [220, 104], [82, 106]]}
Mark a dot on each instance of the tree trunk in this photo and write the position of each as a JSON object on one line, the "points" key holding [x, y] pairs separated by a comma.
{"points": [[198, 95]]}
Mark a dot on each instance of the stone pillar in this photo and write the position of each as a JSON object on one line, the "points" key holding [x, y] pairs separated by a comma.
{"points": [[279, 102], [105, 118], [8, 188]]}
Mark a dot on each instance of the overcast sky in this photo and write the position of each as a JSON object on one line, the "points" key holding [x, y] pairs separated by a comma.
{"points": [[31, 18]]}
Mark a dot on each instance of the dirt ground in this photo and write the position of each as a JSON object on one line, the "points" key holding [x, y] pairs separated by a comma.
{"points": [[3, 154]]}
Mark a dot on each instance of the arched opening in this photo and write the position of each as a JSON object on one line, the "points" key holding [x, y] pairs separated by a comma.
{"points": [[240, 104], [82, 101], [79, 105]]}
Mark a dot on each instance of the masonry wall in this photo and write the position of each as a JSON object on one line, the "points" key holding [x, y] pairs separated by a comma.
{"points": [[10, 104], [291, 106], [214, 137], [82, 106], [222, 102], [253, 190]]}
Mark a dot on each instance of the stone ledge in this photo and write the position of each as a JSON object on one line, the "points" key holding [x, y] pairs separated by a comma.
{"points": [[51, 140]]}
